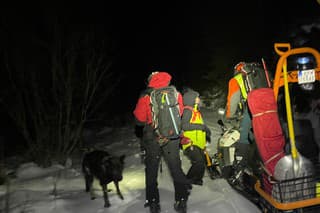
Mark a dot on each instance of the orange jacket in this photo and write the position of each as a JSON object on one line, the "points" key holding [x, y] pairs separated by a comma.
{"points": [[236, 93]]}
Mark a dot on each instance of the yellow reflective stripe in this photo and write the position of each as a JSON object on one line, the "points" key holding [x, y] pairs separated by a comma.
{"points": [[240, 105], [163, 99], [195, 108], [196, 117], [241, 85]]}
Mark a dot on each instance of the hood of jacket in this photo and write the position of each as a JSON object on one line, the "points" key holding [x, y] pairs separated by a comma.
{"points": [[189, 98], [159, 79]]}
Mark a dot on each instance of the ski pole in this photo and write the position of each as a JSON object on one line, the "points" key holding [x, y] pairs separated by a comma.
{"points": [[266, 71]]}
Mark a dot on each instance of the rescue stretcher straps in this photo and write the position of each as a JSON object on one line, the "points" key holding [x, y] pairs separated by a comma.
{"points": [[265, 112], [273, 157]]}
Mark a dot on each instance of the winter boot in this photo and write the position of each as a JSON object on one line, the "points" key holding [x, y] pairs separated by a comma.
{"points": [[154, 207], [197, 182], [181, 206]]}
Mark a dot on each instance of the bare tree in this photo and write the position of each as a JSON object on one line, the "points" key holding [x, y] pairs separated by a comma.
{"points": [[55, 94]]}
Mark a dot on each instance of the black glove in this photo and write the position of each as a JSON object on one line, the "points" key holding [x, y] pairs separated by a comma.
{"points": [[138, 131]]}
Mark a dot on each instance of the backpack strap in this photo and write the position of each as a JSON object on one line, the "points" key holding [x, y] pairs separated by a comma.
{"points": [[188, 107]]}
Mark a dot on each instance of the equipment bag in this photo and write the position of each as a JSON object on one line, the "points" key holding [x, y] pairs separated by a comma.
{"points": [[165, 113], [267, 129]]}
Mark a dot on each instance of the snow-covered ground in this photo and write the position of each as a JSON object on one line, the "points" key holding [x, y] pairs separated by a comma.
{"points": [[61, 188]]}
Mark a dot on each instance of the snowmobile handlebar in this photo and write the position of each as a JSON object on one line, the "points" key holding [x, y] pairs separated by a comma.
{"points": [[222, 125]]}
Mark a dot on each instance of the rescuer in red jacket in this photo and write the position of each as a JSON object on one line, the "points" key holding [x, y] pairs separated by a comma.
{"points": [[154, 151]]}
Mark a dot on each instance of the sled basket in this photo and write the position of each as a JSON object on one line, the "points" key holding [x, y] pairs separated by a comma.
{"points": [[297, 193]]}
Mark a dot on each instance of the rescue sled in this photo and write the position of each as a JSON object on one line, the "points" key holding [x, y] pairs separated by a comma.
{"points": [[295, 184]]}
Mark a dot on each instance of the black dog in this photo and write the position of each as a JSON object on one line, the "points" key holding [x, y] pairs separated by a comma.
{"points": [[104, 167]]}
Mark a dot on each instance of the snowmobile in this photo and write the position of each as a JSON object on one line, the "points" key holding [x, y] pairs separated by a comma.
{"points": [[226, 148], [226, 161], [225, 158], [294, 184]]}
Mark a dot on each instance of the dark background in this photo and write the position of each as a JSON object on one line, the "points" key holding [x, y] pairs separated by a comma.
{"points": [[186, 39], [179, 37]]}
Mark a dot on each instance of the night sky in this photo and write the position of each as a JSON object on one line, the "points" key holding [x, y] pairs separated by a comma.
{"points": [[178, 37], [182, 37], [186, 39]]}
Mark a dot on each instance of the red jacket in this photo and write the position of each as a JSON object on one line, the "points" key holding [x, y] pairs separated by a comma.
{"points": [[142, 112]]}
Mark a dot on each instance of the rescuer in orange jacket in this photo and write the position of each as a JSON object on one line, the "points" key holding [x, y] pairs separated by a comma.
{"points": [[237, 110], [236, 107]]}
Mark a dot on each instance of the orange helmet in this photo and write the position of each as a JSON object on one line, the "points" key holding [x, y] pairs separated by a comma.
{"points": [[239, 67]]}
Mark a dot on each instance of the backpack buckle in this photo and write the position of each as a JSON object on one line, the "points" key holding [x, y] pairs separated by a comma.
{"points": [[162, 140]]}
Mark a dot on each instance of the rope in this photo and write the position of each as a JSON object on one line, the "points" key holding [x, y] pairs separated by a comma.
{"points": [[273, 157], [262, 113]]}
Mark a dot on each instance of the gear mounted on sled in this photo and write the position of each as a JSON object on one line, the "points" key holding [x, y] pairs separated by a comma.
{"points": [[283, 175], [295, 183]]}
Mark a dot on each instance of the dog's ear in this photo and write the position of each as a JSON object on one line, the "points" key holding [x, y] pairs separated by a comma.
{"points": [[122, 157]]}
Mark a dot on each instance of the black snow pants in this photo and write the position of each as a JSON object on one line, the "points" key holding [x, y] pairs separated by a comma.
{"points": [[198, 163], [170, 153]]}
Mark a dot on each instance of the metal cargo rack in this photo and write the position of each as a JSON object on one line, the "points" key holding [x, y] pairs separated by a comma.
{"points": [[291, 194]]}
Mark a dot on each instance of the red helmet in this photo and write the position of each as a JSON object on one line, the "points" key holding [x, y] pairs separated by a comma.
{"points": [[152, 74], [159, 79]]}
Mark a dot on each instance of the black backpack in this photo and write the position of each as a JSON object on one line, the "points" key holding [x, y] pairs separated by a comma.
{"points": [[165, 113], [256, 77]]}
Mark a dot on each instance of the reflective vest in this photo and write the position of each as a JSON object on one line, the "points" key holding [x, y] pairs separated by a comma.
{"points": [[242, 86], [197, 137]]}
